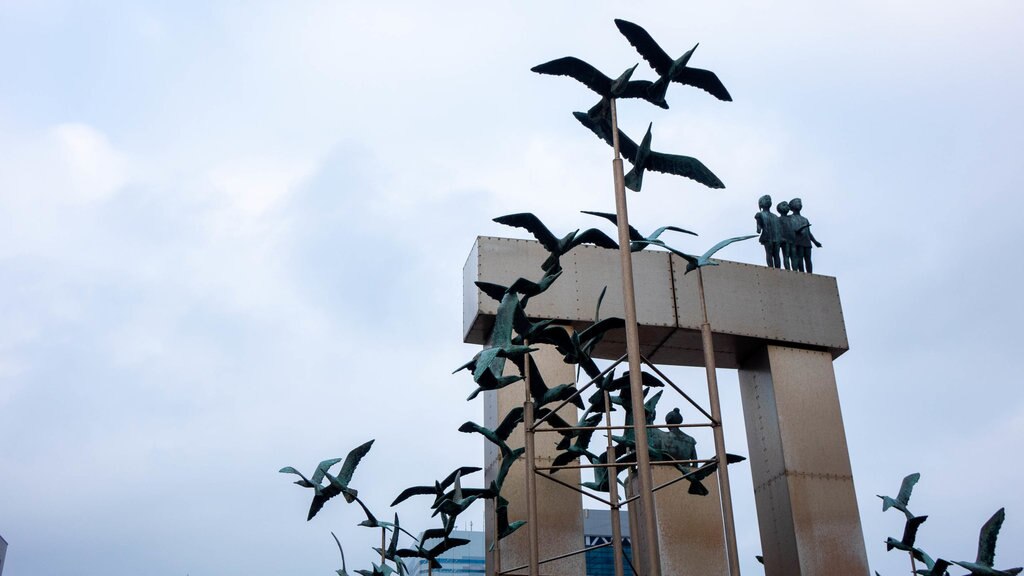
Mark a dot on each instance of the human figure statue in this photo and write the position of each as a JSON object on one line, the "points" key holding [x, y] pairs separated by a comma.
{"points": [[770, 229], [674, 444], [804, 238], [788, 235]]}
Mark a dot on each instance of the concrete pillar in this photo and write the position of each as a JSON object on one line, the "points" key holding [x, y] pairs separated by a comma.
{"points": [[803, 485], [560, 510], [690, 534]]}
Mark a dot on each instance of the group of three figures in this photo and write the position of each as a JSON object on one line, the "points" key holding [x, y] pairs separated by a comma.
{"points": [[786, 237]]}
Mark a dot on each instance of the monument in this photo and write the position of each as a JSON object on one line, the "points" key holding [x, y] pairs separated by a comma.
{"points": [[779, 329]]}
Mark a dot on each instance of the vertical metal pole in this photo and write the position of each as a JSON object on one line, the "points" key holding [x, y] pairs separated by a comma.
{"points": [[613, 489], [383, 545], [643, 458], [720, 455], [531, 476], [497, 542]]}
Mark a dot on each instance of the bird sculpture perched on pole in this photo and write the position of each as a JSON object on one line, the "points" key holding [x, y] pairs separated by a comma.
{"points": [[643, 158], [672, 70]]}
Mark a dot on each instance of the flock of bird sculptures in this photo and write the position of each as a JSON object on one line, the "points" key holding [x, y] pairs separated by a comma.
{"points": [[982, 565], [515, 334]]}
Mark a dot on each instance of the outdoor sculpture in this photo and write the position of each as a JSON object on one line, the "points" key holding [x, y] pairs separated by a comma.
{"points": [[694, 262], [637, 240], [643, 158], [788, 235], [983, 564], [605, 87], [804, 238], [770, 229], [556, 246], [666, 67]]}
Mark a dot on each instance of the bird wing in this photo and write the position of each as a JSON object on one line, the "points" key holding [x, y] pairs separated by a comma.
{"points": [[646, 90], [659, 231], [495, 291], [414, 491], [723, 244], [646, 46], [987, 538], [907, 487], [686, 166], [509, 423], [533, 225], [342, 552], [634, 234], [578, 70], [910, 529], [305, 483], [351, 461], [706, 80], [595, 237], [462, 471], [603, 129], [318, 474]]}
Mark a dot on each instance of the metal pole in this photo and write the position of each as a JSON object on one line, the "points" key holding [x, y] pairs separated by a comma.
{"points": [[643, 457], [613, 489], [497, 542], [716, 414], [531, 478]]}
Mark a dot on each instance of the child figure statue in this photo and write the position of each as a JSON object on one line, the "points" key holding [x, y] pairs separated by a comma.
{"points": [[770, 229], [804, 238], [788, 235]]}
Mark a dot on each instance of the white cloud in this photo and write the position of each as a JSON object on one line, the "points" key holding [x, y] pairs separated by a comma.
{"points": [[93, 170]]}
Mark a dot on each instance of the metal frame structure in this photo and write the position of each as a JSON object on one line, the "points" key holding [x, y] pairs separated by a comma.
{"points": [[634, 359]]}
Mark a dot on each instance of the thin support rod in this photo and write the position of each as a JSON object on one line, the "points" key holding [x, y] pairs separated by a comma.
{"points": [[497, 541], [562, 556], [578, 392], [613, 490], [575, 488], [643, 457], [531, 478], [668, 381], [716, 415]]}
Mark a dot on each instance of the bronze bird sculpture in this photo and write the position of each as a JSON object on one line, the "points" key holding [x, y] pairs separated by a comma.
{"points": [[337, 484], [638, 241], [983, 565], [557, 247], [674, 70], [605, 87], [694, 262], [643, 158]]}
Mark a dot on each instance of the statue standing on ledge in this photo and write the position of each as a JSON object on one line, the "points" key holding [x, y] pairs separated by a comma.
{"points": [[674, 444], [804, 238], [788, 235], [770, 229]]}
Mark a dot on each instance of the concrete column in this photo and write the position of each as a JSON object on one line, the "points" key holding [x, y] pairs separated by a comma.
{"points": [[803, 486], [560, 510], [689, 527]]}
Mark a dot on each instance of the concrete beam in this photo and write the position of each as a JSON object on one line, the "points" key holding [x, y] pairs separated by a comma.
{"points": [[748, 306]]}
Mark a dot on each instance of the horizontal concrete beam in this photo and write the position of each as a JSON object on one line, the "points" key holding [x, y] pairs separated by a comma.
{"points": [[748, 306]]}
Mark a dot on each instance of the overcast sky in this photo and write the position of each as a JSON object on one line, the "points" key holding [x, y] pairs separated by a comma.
{"points": [[232, 236]]}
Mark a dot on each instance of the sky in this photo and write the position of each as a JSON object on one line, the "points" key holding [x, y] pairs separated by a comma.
{"points": [[232, 237]]}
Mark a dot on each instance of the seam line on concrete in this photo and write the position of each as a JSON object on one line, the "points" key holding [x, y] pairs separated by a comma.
{"points": [[798, 474]]}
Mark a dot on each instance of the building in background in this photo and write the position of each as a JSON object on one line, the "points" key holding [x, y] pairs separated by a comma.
{"points": [[3, 553], [597, 530], [467, 560]]}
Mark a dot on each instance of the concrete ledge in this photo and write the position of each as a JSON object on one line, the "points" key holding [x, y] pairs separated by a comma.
{"points": [[748, 306]]}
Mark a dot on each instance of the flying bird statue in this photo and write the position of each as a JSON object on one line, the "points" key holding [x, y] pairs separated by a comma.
{"points": [[638, 241], [643, 158], [694, 262], [557, 247], [674, 70], [605, 87], [337, 484], [983, 565]]}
